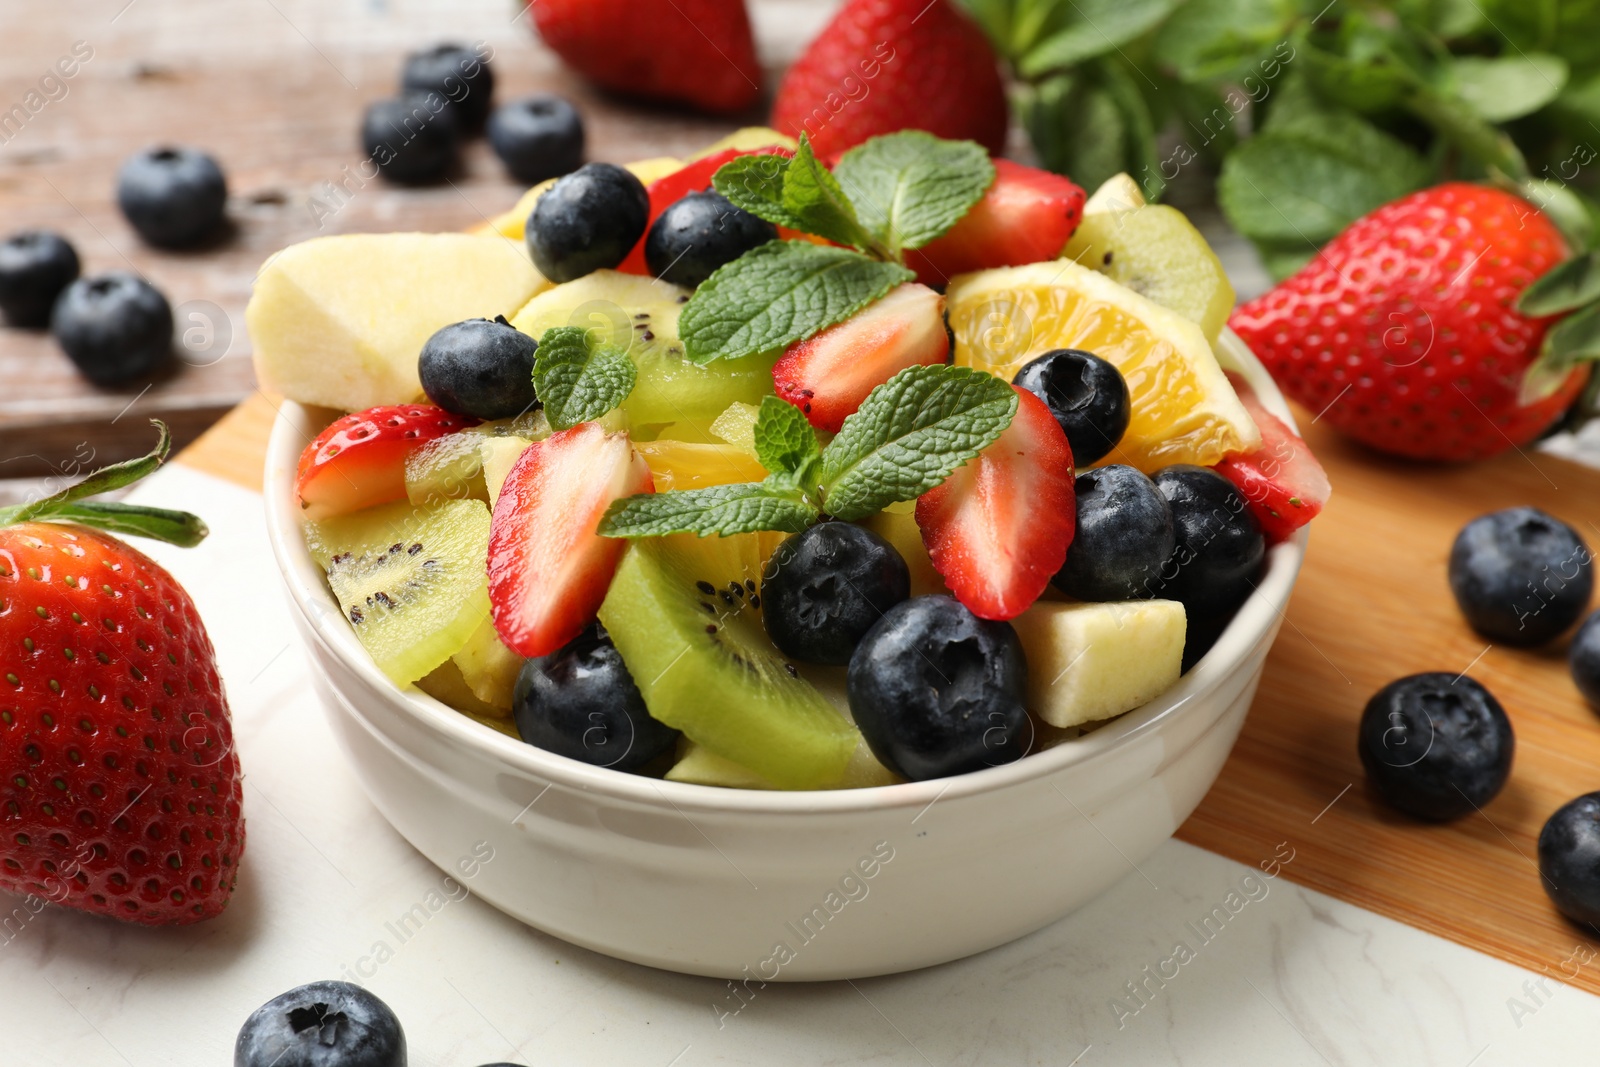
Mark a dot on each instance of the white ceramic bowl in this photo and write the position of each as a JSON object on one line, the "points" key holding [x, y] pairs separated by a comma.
{"points": [[765, 885]]}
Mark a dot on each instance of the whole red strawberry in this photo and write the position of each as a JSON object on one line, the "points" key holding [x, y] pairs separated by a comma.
{"points": [[119, 784], [886, 65], [1403, 332], [695, 52]]}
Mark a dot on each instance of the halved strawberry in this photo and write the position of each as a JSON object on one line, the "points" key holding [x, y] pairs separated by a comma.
{"points": [[1026, 216], [1282, 481], [998, 529], [668, 190], [360, 460], [548, 568], [828, 376]]}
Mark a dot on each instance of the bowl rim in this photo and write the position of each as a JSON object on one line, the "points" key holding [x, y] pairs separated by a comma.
{"points": [[294, 427]]}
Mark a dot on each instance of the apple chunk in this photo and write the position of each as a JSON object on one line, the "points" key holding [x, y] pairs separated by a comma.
{"points": [[1092, 661]]}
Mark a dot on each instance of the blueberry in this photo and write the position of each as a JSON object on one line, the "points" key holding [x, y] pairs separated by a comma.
{"points": [[116, 327], [700, 233], [537, 137], [479, 368], [1436, 745], [174, 197], [1583, 659], [323, 1024], [1087, 395], [581, 702], [35, 266], [413, 139], [1520, 576], [587, 221], [1124, 539], [1218, 556], [457, 73], [825, 588], [938, 691], [1569, 859]]}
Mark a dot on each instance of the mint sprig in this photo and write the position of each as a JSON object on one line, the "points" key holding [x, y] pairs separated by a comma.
{"points": [[911, 187], [579, 378], [724, 510]]}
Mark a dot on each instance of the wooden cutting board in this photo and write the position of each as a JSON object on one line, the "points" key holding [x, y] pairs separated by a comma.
{"points": [[1372, 604]]}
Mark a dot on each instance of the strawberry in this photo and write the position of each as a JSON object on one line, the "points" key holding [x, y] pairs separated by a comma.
{"points": [[1282, 481], [548, 567], [695, 52], [886, 65], [1027, 216], [360, 459], [1403, 332], [998, 529], [119, 784], [668, 190], [827, 376]]}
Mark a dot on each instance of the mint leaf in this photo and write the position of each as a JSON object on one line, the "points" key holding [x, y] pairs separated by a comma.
{"points": [[755, 184], [723, 510], [578, 379], [777, 294], [909, 434], [1570, 284], [911, 187], [813, 195], [784, 441]]}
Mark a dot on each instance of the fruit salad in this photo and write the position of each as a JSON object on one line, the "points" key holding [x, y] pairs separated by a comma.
{"points": [[761, 470]]}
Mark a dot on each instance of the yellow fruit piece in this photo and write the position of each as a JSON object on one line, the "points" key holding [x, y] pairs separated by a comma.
{"points": [[488, 667], [688, 465], [899, 528], [447, 686], [1184, 409], [1092, 661], [700, 766], [737, 426], [748, 139], [1157, 252], [338, 321], [499, 455], [513, 223], [1117, 193]]}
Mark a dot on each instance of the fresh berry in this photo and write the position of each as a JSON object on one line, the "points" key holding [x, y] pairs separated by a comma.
{"points": [[549, 568], [700, 233], [35, 265], [695, 52], [1583, 659], [174, 197], [827, 376], [115, 327], [1087, 396], [323, 1024], [360, 459], [826, 586], [997, 529], [1436, 745], [480, 369], [1027, 216], [1282, 480], [459, 74], [938, 691], [886, 65], [1520, 576], [537, 137], [1124, 539], [1218, 557], [587, 221], [1403, 331], [412, 139], [580, 702], [1569, 859], [693, 178]]}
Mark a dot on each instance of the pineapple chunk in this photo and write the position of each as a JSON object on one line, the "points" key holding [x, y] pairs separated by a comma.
{"points": [[1093, 661], [488, 667], [1117, 193]]}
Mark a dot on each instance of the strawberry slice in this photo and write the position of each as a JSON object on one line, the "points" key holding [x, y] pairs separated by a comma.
{"points": [[1026, 216], [998, 529], [1282, 481], [828, 375], [694, 178], [548, 568], [360, 459]]}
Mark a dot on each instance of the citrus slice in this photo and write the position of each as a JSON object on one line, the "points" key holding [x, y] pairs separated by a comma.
{"points": [[1184, 409]]}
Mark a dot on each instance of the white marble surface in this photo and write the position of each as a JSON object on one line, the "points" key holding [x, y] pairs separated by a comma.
{"points": [[1292, 978]]}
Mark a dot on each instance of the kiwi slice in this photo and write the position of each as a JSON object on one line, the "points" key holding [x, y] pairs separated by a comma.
{"points": [[453, 465], [410, 580], [641, 315], [685, 613]]}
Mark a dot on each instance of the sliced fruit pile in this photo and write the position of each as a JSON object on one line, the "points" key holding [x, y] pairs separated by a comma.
{"points": [[780, 513]]}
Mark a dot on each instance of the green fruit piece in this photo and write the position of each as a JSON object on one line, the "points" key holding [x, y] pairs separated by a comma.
{"points": [[1156, 251], [446, 468], [411, 580], [701, 766], [446, 685], [641, 315], [488, 667], [737, 426], [704, 665]]}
